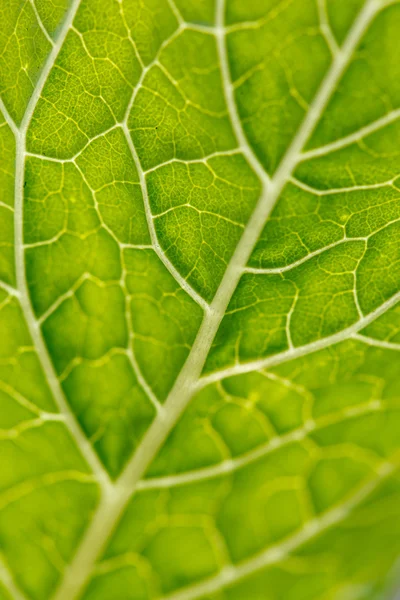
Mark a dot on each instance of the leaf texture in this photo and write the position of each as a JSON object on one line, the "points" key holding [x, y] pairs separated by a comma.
{"points": [[199, 286]]}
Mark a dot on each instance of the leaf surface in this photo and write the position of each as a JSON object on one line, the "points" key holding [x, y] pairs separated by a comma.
{"points": [[199, 286]]}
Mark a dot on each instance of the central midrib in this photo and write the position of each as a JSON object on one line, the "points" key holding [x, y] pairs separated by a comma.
{"points": [[115, 497]]}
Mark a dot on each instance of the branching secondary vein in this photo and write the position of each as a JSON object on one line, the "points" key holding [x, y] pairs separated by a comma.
{"points": [[275, 554], [231, 465], [297, 352], [353, 138]]}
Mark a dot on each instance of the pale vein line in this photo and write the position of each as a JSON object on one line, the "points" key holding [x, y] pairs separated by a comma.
{"points": [[50, 61], [48, 158], [6, 206], [130, 349], [11, 123], [90, 141], [356, 298], [299, 351], [355, 275], [181, 281], [22, 400], [63, 297], [301, 261], [7, 580], [191, 161], [342, 190], [9, 120], [40, 23], [194, 208], [31, 321], [12, 433], [244, 145], [146, 69], [326, 28], [9, 289], [227, 467], [370, 341], [143, 382], [115, 501], [352, 138], [234, 573], [28, 486], [176, 12], [289, 320]]}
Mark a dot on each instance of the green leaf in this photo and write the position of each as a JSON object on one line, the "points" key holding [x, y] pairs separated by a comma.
{"points": [[199, 299]]}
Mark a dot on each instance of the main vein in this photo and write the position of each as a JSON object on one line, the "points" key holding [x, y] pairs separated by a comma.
{"points": [[116, 498]]}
